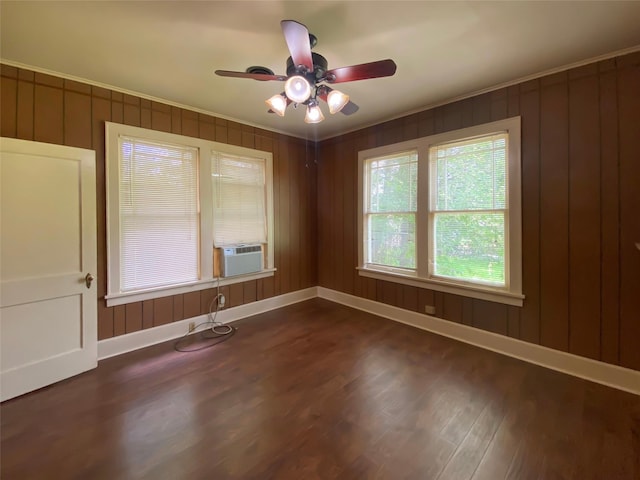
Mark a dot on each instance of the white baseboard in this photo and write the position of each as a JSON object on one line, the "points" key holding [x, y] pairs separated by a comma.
{"points": [[144, 338], [593, 370]]}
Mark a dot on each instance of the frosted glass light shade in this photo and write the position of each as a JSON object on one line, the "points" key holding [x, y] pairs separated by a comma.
{"points": [[314, 114], [277, 103], [336, 101], [297, 89]]}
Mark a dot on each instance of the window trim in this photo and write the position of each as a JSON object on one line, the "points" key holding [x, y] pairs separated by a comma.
{"points": [[511, 294], [205, 148]]}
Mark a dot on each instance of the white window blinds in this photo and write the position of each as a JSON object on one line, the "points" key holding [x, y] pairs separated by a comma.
{"points": [[239, 200], [469, 209], [159, 214]]}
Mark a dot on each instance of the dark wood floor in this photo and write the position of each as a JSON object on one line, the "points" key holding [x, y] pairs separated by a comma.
{"points": [[318, 390]]}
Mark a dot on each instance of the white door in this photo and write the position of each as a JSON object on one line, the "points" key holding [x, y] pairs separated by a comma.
{"points": [[48, 311]]}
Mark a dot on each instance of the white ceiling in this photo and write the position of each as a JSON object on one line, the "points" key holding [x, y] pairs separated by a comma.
{"points": [[443, 50]]}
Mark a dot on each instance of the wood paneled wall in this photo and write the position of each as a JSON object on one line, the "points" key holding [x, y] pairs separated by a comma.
{"points": [[49, 109], [581, 211]]}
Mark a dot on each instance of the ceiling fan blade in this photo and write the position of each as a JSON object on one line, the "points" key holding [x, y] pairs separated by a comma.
{"points": [[255, 76], [349, 109], [381, 68], [297, 37]]}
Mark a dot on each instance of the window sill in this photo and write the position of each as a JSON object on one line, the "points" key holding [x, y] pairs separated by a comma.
{"points": [[478, 292], [140, 295]]}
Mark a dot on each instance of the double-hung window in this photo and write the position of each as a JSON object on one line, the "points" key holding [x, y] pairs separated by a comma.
{"points": [[170, 201], [391, 211], [443, 212]]}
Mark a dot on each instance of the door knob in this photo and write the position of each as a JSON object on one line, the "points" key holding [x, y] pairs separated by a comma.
{"points": [[89, 279]]}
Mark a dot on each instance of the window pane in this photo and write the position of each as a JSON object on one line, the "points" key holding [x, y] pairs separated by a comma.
{"points": [[239, 200], [471, 175], [392, 240], [470, 247], [159, 214], [393, 184]]}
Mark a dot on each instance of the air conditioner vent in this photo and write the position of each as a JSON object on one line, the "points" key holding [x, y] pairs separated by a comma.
{"points": [[241, 259]]}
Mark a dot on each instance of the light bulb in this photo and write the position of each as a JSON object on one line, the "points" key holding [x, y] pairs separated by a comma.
{"points": [[297, 89], [336, 101], [314, 114], [277, 103]]}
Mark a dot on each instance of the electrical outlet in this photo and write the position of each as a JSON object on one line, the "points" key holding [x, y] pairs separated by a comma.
{"points": [[192, 326], [429, 309], [221, 300]]}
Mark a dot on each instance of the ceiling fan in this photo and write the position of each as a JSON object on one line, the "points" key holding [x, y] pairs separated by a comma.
{"points": [[308, 75]]}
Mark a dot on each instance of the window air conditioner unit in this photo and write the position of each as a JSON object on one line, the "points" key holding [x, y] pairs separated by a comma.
{"points": [[241, 259]]}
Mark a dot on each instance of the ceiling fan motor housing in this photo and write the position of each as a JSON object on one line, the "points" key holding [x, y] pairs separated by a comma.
{"points": [[320, 66]]}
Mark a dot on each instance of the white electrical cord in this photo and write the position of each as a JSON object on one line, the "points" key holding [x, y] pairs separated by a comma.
{"points": [[212, 318], [219, 329]]}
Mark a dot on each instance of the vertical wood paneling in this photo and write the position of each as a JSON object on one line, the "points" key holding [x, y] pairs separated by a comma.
{"points": [[629, 128], [530, 118], [48, 115], [513, 319], [77, 119], [410, 298], [101, 112], [189, 122], [191, 304], [117, 112], [283, 205], [207, 296], [119, 320], [467, 311], [131, 113], [178, 308], [452, 307], [207, 127], [162, 311], [610, 217], [490, 316], [24, 113], [133, 317], [236, 295], [147, 314], [278, 219], [160, 117], [554, 213], [425, 298], [105, 321], [8, 106], [349, 217], [293, 167], [249, 291], [584, 218], [268, 287], [176, 120]]}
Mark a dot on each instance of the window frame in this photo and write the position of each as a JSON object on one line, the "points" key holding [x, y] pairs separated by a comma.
{"points": [[205, 149], [511, 293]]}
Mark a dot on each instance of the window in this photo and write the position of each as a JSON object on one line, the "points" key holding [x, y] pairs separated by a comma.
{"points": [[443, 212], [391, 210], [170, 201], [239, 195], [159, 214]]}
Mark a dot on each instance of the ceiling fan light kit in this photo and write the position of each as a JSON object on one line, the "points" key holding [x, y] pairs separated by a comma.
{"points": [[306, 72], [314, 114], [298, 89], [278, 104]]}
